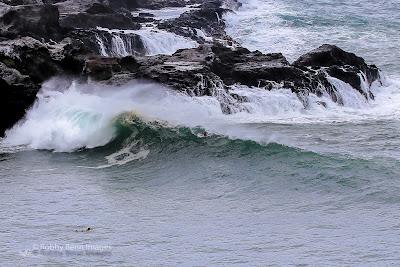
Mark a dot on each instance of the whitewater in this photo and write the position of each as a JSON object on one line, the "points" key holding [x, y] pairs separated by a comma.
{"points": [[168, 179], [69, 116]]}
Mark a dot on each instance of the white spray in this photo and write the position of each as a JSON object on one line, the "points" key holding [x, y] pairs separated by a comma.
{"points": [[82, 116]]}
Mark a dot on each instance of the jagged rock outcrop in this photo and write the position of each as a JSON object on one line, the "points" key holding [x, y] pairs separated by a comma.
{"points": [[22, 2], [24, 64], [100, 16], [207, 18], [38, 60], [105, 68], [18, 92], [200, 71], [268, 71], [113, 44], [150, 4], [37, 21], [342, 65], [187, 70]]}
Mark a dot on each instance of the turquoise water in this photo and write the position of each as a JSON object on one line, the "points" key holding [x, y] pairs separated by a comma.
{"points": [[368, 28], [166, 180]]}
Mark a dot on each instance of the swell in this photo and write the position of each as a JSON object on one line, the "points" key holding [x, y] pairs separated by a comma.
{"points": [[137, 140], [69, 116]]}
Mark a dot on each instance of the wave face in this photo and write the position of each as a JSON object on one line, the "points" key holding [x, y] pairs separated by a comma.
{"points": [[69, 116]]}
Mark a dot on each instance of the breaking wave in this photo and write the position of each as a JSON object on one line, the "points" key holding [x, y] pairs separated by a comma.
{"points": [[69, 116]]}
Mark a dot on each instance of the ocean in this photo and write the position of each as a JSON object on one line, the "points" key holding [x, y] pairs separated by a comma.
{"points": [[163, 179]]}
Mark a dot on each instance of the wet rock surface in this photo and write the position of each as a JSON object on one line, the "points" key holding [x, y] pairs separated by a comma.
{"points": [[18, 91], [38, 21], [99, 16], [150, 4], [342, 65], [42, 39], [207, 18]]}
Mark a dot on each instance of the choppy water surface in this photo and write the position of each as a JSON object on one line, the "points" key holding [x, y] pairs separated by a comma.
{"points": [[368, 28], [163, 179]]}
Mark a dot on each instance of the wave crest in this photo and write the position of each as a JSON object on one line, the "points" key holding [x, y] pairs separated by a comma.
{"points": [[69, 116]]}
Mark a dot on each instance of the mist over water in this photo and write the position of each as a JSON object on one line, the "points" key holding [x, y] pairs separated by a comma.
{"points": [[167, 179]]}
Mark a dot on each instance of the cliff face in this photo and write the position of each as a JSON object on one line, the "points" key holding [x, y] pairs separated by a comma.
{"points": [[41, 39]]}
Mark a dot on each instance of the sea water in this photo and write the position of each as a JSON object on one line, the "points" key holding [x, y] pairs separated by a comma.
{"points": [[164, 179]]}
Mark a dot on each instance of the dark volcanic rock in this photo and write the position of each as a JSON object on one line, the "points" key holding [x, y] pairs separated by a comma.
{"points": [[52, 1], [241, 65], [187, 70], [342, 65], [330, 55], [30, 57], [150, 4], [38, 21], [104, 17], [207, 18], [18, 92], [203, 70], [102, 68], [116, 4], [24, 64], [21, 2], [103, 42], [97, 8], [268, 71]]}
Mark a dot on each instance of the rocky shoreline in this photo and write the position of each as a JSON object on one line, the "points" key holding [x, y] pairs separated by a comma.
{"points": [[40, 39]]}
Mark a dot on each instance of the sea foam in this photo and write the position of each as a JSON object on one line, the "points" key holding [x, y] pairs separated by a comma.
{"points": [[68, 116]]}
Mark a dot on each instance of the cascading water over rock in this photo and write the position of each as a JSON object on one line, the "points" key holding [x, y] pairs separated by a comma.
{"points": [[146, 41], [117, 44]]}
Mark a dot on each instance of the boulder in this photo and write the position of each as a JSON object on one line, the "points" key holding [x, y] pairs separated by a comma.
{"points": [[38, 21], [188, 70], [150, 4], [100, 16], [207, 18], [18, 93], [31, 57], [104, 68], [342, 65]]}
